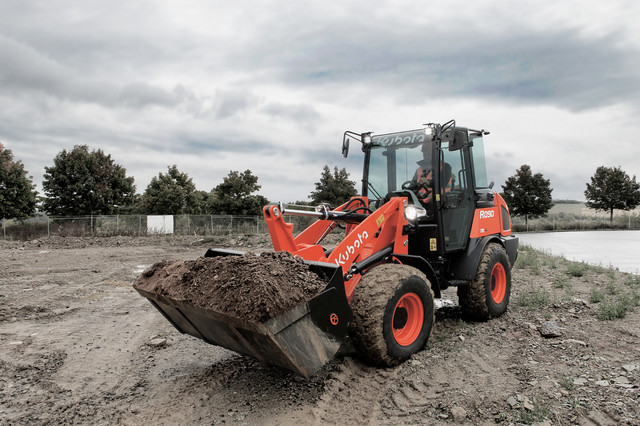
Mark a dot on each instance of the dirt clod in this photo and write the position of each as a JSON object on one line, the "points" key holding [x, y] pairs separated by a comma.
{"points": [[252, 287]]}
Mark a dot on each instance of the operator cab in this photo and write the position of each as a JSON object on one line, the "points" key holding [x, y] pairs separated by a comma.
{"points": [[413, 164]]}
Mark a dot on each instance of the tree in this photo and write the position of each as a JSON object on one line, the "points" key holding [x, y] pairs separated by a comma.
{"points": [[526, 194], [334, 189], [234, 195], [17, 191], [82, 182], [612, 189], [172, 193]]}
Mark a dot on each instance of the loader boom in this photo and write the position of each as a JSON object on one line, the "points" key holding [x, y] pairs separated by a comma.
{"points": [[377, 232]]}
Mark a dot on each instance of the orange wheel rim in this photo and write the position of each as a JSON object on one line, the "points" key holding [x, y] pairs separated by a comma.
{"points": [[408, 317], [498, 283]]}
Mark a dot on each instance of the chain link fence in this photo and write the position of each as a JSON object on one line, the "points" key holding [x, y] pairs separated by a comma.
{"points": [[136, 225]]}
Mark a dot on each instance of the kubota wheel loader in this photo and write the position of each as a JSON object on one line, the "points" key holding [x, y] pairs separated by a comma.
{"points": [[427, 219]]}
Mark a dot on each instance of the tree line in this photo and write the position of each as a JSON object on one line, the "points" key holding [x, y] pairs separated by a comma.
{"points": [[611, 188], [83, 182]]}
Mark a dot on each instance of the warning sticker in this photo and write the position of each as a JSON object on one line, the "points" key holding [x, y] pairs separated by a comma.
{"points": [[433, 245], [380, 220]]}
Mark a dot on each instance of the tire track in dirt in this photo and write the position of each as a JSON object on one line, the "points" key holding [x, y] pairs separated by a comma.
{"points": [[353, 394]]}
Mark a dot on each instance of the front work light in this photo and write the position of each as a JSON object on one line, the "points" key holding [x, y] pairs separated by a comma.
{"points": [[412, 213]]}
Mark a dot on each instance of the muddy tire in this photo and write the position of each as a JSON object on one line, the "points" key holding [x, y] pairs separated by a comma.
{"points": [[487, 296], [393, 314]]}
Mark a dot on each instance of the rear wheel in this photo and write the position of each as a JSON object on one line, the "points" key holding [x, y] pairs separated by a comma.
{"points": [[393, 313], [487, 296]]}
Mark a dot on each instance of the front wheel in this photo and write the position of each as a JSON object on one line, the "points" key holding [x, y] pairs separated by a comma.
{"points": [[393, 313], [487, 296]]}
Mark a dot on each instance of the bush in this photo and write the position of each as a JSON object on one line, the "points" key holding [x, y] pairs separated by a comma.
{"points": [[577, 269]]}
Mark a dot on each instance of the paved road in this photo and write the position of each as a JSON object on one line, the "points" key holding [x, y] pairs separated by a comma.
{"points": [[620, 249]]}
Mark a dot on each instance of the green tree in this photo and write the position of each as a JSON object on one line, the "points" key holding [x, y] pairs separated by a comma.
{"points": [[334, 189], [17, 192], [82, 182], [172, 193], [235, 196], [612, 189], [527, 194]]}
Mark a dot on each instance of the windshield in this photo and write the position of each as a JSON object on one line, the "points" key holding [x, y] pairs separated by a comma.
{"points": [[395, 159]]}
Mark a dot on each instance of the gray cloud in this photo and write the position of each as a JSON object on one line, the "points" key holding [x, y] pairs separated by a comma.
{"points": [[558, 67]]}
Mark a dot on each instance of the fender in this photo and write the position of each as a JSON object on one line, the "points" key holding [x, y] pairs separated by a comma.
{"points": [[464, 265], [423, 266]]}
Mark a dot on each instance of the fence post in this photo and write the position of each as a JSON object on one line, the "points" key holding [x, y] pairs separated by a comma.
{"points": [[4, 228], [117, 227], [48, 227], [211, 222], [188, 225]]}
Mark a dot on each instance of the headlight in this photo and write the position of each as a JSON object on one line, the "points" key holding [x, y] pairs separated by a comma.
{"points": [[413, 213]]}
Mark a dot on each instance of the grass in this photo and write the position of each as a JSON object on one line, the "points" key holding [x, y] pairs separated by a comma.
{"points": [[614, 293], [577, 269], [567, 383], [596, 295], [528, 258], [618, 306], [561, 282], [539, 413], [534, 299]]}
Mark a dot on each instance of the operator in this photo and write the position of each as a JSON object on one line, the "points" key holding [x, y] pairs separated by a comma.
{"points": [[424, 175]]}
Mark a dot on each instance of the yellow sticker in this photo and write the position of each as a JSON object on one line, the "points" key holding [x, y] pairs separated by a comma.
{"points": [[380, 220], [433, 245], [437, 197]]}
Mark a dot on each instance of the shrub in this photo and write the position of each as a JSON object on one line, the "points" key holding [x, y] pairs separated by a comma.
{"points": [[537, 298]]}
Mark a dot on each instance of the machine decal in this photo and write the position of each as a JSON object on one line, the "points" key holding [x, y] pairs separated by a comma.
{"points": [[380, 220], [351, 248]]}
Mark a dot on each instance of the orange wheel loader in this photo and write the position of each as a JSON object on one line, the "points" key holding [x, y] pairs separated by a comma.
{"points": [[427, 219]]}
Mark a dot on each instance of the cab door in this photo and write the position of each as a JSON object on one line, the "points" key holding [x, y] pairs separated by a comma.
{"points": [[457, 202]]}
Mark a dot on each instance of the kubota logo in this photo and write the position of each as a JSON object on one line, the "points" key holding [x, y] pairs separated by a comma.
{"points": [[334, 319], [351, 248], [486, 214]]}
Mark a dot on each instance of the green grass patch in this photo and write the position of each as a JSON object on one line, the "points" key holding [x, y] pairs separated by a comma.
{"points": [[577, 269], [528, 259], [539, 413], [596, 295], [618, 306], [561, 282], [534, 299]]}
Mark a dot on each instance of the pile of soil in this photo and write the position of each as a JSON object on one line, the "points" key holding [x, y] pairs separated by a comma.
{"points": [[252, 287]]}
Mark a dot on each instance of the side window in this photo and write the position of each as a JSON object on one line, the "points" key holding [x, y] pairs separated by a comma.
{"points": [[453, 176], [479, 164]]}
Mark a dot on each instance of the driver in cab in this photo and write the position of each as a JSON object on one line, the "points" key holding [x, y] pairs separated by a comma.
{"points": [[424, 175]]}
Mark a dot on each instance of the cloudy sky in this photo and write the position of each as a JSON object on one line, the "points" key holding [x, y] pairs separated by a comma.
{"points": [[271, 85]]}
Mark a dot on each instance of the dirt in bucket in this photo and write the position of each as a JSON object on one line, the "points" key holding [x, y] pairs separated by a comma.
{"points": [[252, 287]]}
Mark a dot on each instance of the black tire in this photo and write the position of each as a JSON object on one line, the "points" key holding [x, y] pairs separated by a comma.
{"points": [[487, 296], [388, 293]]}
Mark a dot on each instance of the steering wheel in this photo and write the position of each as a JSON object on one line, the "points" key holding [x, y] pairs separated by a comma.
{"points": [[412, 185]]}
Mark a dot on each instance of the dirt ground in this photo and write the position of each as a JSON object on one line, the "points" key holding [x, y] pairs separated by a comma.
{"points": [[78, 345]]}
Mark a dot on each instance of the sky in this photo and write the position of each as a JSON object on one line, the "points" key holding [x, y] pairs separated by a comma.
{"points": [[271, 85]]}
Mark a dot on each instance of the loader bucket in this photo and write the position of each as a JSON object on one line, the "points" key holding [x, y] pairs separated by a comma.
{"points": [[302, 340]]}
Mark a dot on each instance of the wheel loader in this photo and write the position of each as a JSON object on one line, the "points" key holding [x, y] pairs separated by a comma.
{"points": [[427, 219]]}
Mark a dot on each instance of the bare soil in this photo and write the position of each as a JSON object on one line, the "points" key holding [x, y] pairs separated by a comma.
{"points": [[251, 287], [79, 345]]}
